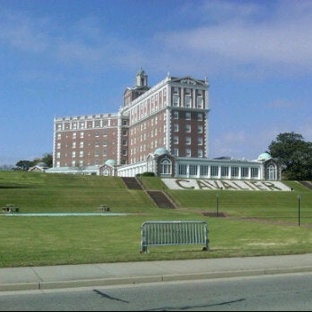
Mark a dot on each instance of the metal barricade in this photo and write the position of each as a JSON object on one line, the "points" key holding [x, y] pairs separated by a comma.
{"points": [[161, 233]]}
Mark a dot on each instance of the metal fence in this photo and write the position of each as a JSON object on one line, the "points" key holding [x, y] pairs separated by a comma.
{"points": [[161, 233]]}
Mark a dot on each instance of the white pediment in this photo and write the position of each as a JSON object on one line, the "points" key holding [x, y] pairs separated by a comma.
{"points": [[189, 81]]}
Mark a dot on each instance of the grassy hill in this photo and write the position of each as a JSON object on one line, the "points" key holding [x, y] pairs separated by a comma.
{"points": [[255, 223]]}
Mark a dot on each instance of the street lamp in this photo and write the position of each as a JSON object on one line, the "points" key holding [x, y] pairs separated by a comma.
{"points": [[299, 198], [217, 198]]}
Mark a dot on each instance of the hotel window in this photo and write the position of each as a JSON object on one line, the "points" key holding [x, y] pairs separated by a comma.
{"points": [[81, 135], [200, 141], [104, 142], [234, 171], [175, 139], [124, 142], [124, 152], [176, 128], [182, 169], [59, 127], [81, 144], [58, 164], [74, 145], [244, 172], [58, 155], [200, 117], [188, 116], [81, 125], [104, 152], [271, 172], [204, 170], [80, 153], [188, 152], [199, 129], [176, 115], [105, 123], [124, 132], [187, 101], [166, 166], [254, 172], [97, 133], [175, 100], [214, 171], [188, 140], [224, 171], [58, 145], [74, 125], [96, 143], [58, 136], [74, 135], [104, 132], [193, 170], [124, 122], [187, 128], [73, 163], [200, 153], [175, 152], [96, 153], [73, 154], [200, 102]]}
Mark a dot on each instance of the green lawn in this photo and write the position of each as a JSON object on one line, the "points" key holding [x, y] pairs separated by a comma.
{"points": [[256, 223]]}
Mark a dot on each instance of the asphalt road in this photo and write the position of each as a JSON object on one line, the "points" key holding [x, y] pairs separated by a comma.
{"points": [[278, 292]]}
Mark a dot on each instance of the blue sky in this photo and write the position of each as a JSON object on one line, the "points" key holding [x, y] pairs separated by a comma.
{"points": [[76, 57]]}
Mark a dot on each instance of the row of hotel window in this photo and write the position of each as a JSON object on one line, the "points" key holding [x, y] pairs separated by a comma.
{"points": [[223, 171], [176, 128], [145, 109], [218, 171], [88, 124], [176, 140], [188, 153], [112, 123]]}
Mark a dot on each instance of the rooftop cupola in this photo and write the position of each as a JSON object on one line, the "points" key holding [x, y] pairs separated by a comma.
{"points": [[141, 79]]}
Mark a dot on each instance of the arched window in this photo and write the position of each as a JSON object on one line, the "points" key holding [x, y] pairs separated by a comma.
{"points": [[106, 172], [271, 172], [165, 167]]}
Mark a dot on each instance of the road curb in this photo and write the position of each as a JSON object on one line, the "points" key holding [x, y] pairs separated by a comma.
{"points": [[147, 279]]}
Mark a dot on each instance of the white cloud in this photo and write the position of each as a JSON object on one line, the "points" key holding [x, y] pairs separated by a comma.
{"points": [[22, 33], [278, 42]]}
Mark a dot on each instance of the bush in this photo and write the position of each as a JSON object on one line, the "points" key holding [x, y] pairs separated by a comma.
{"points": [[146, 174]]}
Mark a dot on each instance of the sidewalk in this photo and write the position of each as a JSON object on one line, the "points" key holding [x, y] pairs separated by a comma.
{"points": [[86, 275]]}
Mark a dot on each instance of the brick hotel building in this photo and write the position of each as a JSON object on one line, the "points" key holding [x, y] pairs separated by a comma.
{"points": [[161, 129]]}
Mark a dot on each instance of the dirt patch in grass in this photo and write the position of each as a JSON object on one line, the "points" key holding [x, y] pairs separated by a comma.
{"points": [[214, 214]]}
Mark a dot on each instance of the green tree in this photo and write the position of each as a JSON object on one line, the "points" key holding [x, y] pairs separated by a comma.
{"points": [[47, 159], [24, 164], [294, 154]]}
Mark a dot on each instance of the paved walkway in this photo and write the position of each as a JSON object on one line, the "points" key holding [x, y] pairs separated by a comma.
{"points": [[85, 275]]}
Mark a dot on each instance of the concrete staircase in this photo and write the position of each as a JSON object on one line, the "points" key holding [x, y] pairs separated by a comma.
{"points": [[160, 198], [132, 183], [307, 184]]}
